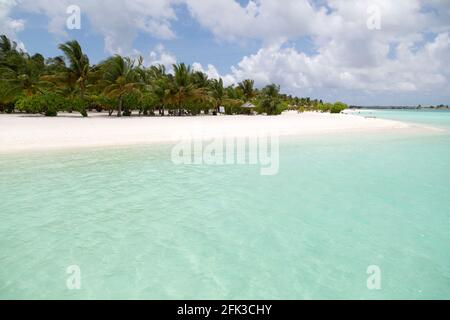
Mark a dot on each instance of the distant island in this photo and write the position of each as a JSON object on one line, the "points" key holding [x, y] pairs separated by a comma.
{"points": [[419, 107]]}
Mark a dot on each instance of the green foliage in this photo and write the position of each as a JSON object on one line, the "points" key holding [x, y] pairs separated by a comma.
{"points": [[338, 107], [7, 98], [78, 104], [70, 83], [237, 109], [120, 78], [182, 91], [247, 89], [47, 104], [130, 101], [102, 102], [269, 102], [147, 103], [77, 74], [320, 106], [324, 107], [7, 107]]}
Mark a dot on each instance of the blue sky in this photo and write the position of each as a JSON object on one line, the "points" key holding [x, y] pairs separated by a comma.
{"points": [[192, 43], [322, 48]]}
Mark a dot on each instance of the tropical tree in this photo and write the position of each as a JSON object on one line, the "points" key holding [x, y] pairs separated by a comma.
{"points": [[120, 78], [160, 90], [200, 80], [155, 90], [24, 80], [71, 79], [48, 104], [78, 68], [157, 71], [19, 73], [270, 102], [338, 107], [247, 87], [182, 89], [217, 93], [223, 96], [6, 46], [69, 82]]}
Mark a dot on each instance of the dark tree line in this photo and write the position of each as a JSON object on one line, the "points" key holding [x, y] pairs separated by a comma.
{"points": [[121, 86]]}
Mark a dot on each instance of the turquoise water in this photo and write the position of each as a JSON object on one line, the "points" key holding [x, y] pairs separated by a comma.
{"points": [[140, 227]]}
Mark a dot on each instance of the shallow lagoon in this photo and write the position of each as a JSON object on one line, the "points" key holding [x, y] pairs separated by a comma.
{"points": [[140, 227]]}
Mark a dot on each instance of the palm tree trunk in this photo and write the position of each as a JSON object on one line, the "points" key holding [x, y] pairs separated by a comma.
{"points": [[119, 112], [83, 110]]}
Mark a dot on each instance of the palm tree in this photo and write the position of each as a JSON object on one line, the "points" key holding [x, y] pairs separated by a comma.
{"points": [[71, 79], [157, 71], [272, 90], [120, 78], [217, 93], [20, 74], [156, 85], [7, 47], [56, 72], [182, 90], [270, 100], [69, 82], [200, 80], [221, 96], [79, 68], [247, 87], [160, 89]]}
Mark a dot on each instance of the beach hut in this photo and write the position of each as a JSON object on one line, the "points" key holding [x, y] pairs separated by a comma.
{"points": [[250, 107]]}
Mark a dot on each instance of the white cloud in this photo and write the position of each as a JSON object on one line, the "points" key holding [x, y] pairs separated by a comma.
{"points": [[212, 73], [399, 58], [8, 26], [121, 22], [273, 21], [159, 55], [409, 55], [413, 70], [270, 20], [118, 21]]}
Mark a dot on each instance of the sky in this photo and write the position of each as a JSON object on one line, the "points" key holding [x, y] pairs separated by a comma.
{"points": [[363, 52]]}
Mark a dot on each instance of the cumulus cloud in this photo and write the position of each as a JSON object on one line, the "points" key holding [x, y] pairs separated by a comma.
{"points": [[422, 69], [118, 21], [212, 73], [8, 26], [401, 57], [159, 55], [270, 20], [408, 55]]}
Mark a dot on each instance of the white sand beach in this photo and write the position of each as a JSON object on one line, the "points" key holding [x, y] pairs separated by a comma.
{"points": [[20, 132]]}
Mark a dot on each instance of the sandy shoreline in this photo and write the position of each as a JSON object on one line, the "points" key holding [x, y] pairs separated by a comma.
{"points": [[22, 132]]}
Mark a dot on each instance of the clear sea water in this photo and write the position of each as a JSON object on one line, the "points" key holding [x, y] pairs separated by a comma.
{"points": [[139, 227]]}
